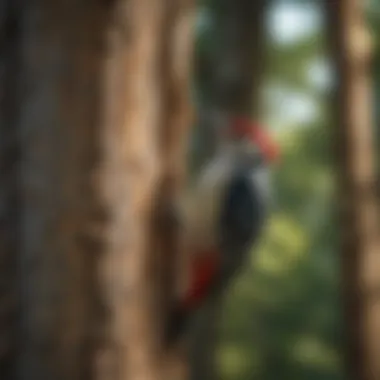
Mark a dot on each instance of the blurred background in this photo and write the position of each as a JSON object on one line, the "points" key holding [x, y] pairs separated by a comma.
{"points": [[283, 318]]}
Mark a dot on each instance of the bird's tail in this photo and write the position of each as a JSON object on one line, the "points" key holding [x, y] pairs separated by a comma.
{"points": [[177, 325]]}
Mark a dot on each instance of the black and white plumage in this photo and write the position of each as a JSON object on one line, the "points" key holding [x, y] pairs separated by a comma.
{"points": [[224, 216]]}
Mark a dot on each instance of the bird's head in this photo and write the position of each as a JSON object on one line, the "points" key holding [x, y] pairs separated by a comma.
{"points": [[254, 142], [256, 153]]}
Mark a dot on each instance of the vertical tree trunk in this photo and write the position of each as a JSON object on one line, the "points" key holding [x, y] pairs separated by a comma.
{"points": [[237, 63], [89, 166], [351, 51], [176, 116], [89, 127], [238, 57]]}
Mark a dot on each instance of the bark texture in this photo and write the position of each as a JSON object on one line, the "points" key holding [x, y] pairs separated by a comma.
{"points": [[176, 118], [175, 122], [97, 147], [351, 51], [88, 167]]}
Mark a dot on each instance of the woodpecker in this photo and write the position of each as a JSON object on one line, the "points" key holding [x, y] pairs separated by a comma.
{"points": [[224, 216]]}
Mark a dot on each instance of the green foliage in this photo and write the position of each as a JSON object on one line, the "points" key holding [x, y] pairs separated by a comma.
{"points": [[282, 61], [284, 312], [283, 316]]}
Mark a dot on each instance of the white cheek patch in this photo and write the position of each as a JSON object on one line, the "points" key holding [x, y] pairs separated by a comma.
{"points": [[261, 178]]}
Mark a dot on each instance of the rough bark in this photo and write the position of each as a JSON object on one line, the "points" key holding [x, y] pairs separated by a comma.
{"points": [[236, 71], [89, 169], [351, 52], [176, 117], [175, 121]]}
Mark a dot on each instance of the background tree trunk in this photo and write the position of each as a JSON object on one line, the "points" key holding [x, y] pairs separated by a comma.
{"points": [[351, 51], [236, 64], [91, 128]]}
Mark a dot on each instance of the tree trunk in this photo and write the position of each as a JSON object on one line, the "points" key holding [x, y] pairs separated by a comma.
{"points": [[236, 72], [351, 51], [238, 57], [176, 116], [91, 166]]}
